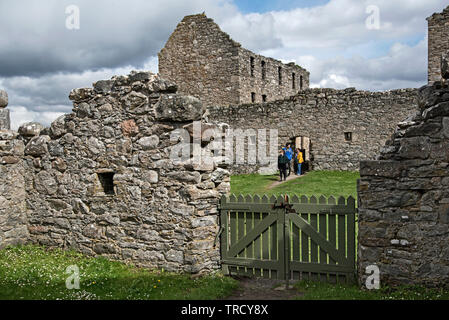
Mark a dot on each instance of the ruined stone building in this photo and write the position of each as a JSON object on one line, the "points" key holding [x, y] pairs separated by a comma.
{"points": [[438, 42], [206, 63], [342, 127], [101, 179]]}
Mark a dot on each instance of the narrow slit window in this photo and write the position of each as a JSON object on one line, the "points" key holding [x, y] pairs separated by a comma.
{"points": [[251, 63], [264, 70], [348, 136], [301, 84], [280, 75], [107, 182], [253, 97], [264, 98], [293, 81]]}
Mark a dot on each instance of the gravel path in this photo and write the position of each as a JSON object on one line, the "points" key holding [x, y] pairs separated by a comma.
{"points": [[292, 176]]}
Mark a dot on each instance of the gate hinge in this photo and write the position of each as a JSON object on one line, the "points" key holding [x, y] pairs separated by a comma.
{"points": [[218, 236]]}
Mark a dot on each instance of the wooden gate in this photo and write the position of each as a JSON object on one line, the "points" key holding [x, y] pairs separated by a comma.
{"points": [[289, 237]]}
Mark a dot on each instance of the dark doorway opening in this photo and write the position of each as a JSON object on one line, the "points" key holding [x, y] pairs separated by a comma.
{"points": [[303, 144], [107, 182]]}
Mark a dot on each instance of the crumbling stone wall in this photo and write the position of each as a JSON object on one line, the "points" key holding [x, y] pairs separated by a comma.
{"points": [[13, 220], [202, 61], [404, 198], [5, 122], [101, 180], [438, 43], [324, 116], [206, 63]]}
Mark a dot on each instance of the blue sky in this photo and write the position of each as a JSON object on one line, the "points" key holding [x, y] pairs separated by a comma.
{"points": [[261, 6], [41, 61]]}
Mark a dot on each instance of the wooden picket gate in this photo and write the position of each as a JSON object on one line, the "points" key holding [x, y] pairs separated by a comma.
{"points": [[289, 237]]}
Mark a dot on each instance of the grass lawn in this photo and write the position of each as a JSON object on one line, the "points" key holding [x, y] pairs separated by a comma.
{"points": [[34, 272], [327, 183], [324, 291]]}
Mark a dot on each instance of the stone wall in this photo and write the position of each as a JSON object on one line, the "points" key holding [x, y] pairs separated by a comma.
{"points": [[270, 85], [206, 63], [438, 36], [13, 220], [202, 60], [5, 122], [101, 179], [324, 116], [404, 198], [13, 228]]}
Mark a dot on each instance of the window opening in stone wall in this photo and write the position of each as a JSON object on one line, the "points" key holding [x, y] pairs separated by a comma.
{"points": [[107, 182], [264, 98], [293, 81], [263, 64], [280, 75], [348, 136], [300, 83], [253, 97], [252, 66]]}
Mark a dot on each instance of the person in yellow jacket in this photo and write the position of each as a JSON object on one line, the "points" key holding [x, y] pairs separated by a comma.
{"points": [[299, 160]]}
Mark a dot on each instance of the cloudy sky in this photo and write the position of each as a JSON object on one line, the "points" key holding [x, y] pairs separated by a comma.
{"points": [[41, 59]]}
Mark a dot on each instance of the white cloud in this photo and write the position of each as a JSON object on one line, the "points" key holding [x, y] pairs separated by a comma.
{"points": [[333, 43], [43, 99], [335, 26], [402, 67]]}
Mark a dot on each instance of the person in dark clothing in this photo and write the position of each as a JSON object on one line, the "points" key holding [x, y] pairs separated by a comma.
{"points": [[282, 165]]}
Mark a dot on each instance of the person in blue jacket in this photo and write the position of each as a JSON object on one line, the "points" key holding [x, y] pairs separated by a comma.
{"points": [[289, 154]]}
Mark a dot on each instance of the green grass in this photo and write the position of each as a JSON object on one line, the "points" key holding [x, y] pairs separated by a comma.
{"points": [[34, 272], [327, 183], [317, 183], [325, 291]]}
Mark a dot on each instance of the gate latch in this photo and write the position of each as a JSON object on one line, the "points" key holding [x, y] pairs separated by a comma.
{"points": [[283, 205]]}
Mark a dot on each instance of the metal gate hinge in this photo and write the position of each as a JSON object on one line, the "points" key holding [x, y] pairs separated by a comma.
{"points": [[218, 236]]}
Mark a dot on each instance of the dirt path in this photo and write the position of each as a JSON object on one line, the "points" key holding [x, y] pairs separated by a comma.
{"points": [[263, 289], [292, 176]]}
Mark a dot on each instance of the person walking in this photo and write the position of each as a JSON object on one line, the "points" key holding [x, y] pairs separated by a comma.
{"points": [[300, 160], [289, 155], [282, 165]]}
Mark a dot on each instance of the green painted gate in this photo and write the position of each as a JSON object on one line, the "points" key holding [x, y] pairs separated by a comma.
{"points": [[289, 237]]}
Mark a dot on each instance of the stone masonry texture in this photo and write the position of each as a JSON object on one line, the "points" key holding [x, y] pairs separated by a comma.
{"points": [[5, 122], [206, 63], [438, 42], [13, 219], [404, 198], [100, 179], [324, 116]]}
